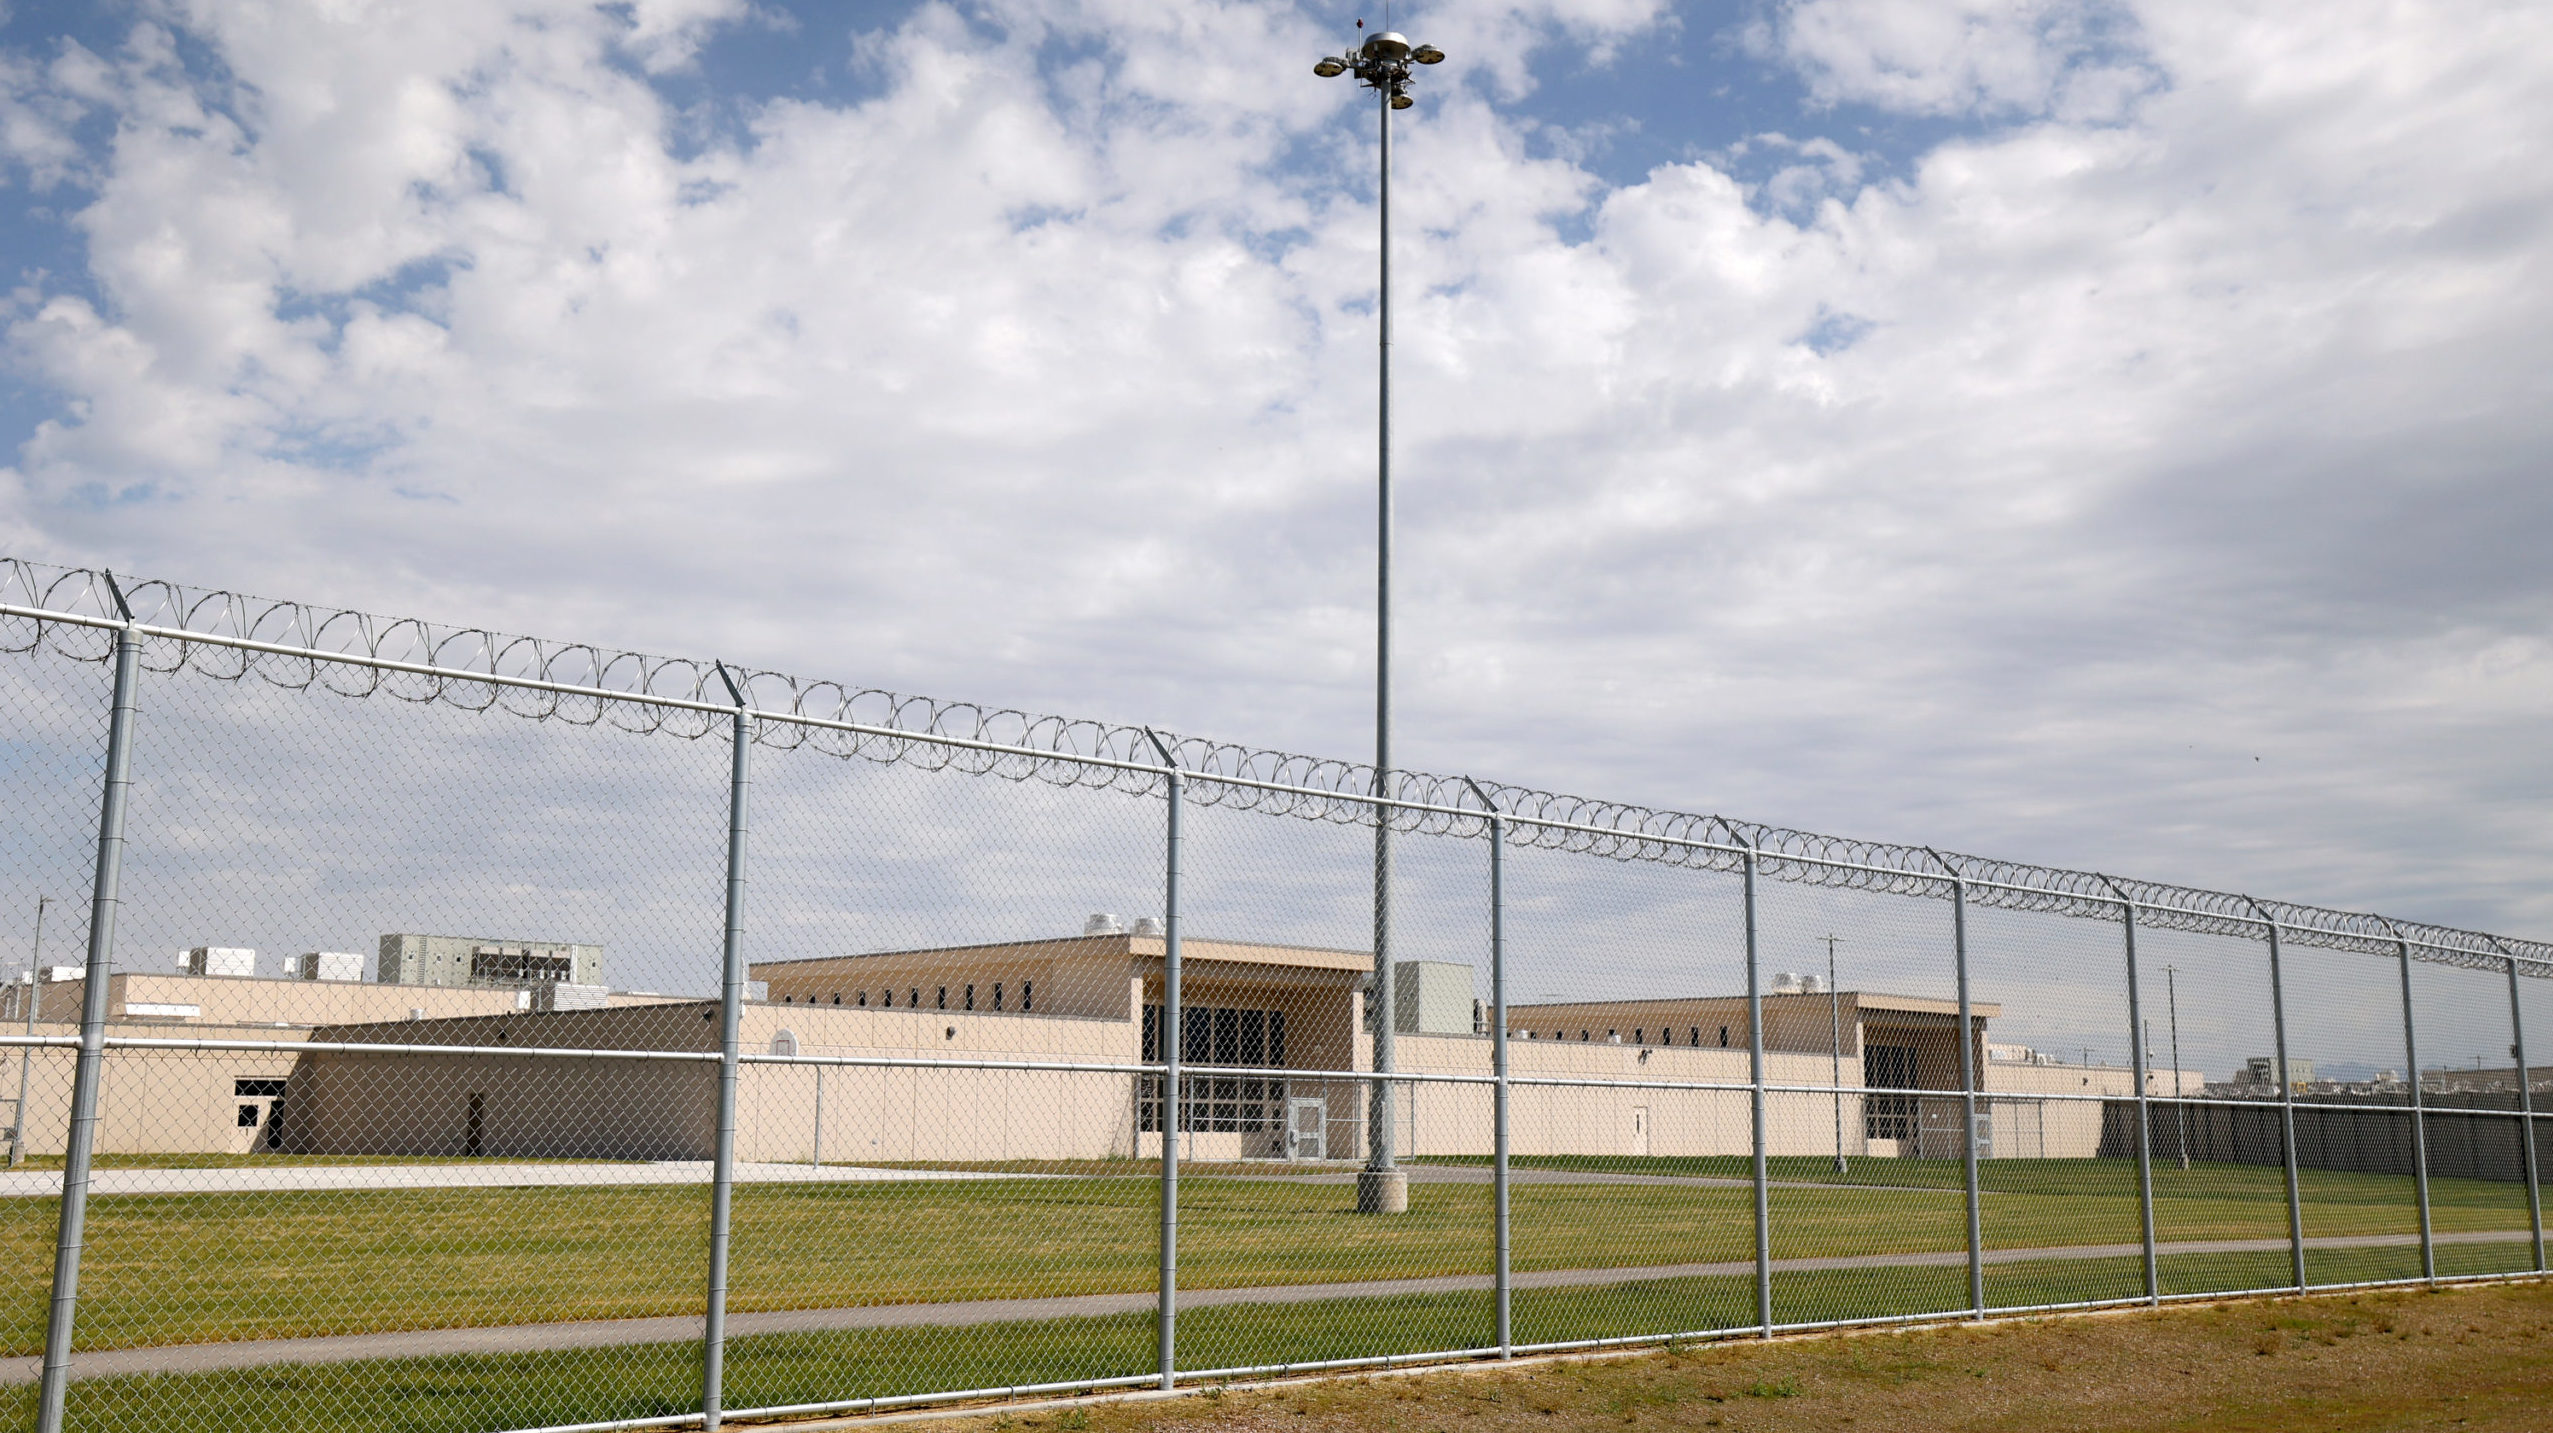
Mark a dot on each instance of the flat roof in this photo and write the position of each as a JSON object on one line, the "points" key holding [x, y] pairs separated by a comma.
{"points": [[1858, 999], [1135, 947]]}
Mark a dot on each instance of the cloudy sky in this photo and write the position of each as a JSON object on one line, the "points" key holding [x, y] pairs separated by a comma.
{"points": [[2104, 434]]}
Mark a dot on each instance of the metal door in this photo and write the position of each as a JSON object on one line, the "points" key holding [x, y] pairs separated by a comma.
{"points": [[1307, 1129]]}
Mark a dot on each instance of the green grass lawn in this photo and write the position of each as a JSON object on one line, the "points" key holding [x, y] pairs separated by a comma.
{"points": [[534, 1388], [179, 1268]]}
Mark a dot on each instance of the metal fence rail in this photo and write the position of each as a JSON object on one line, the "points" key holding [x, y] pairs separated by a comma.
{"points": [[1045, 1162]]}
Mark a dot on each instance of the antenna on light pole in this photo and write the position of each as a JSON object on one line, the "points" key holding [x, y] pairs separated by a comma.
{"points": [[1381, 62]]}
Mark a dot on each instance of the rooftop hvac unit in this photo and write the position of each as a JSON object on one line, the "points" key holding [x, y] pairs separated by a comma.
{"points": [[57, 973], [334, 965], [1432, 997], [1102, 925], [562, 995], [232, 960]]}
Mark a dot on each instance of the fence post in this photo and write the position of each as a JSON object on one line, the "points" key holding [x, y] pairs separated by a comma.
{"points": [[1499, 1134], [1172, 1105], [2286, 1099], [1382, 1186], [722, 1186], [2419, 1116], [2144, 1111], [2526, 1110], [80, 1149], [1968, 1096], [1967, 1083], [1755, 1076]]}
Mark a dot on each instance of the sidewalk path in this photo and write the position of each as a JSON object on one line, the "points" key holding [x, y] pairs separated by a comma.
{"points": [[245, 1179], [608, 1333]]}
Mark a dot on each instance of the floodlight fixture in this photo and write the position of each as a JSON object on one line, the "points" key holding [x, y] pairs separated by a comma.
{"points": [[1382, 62], [1387, 47]]}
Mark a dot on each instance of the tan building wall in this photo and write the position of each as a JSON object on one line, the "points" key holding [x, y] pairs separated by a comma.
{"points": [[1084, 977], [554, 1107], [189, 1102], [149, 1102], [1800, 1024], [891, 1115], [1572, 1119], [1087, 1006]]}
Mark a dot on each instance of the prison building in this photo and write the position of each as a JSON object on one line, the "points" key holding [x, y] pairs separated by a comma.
{"points": [[1261, 1025], [1255, 1009], [224, 1102]]}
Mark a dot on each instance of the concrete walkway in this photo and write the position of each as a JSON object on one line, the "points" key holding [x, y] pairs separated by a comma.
{"points": [[609, 1333], [1482, 1174], [248, 1179]]}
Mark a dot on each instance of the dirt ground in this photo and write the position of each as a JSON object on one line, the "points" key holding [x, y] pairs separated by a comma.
{"points": [[2475, 1359]]}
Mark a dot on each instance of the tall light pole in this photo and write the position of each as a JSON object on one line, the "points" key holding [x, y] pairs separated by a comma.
{"points": [[2180, 1111], [1382, 64], [35, 984], [1835, 1020]]}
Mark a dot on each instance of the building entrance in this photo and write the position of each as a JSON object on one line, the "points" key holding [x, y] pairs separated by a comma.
{"points": [[1307, 1129]]}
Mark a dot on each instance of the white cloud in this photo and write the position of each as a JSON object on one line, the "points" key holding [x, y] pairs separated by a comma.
{"points": [[2177, 427], [1947, 57]]}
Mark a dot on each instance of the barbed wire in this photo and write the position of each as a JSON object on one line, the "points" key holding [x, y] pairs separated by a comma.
{"points": [[583, 684]]}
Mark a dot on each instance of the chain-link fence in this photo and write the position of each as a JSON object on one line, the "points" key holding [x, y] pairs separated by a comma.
{"points": [[429, 1029]]}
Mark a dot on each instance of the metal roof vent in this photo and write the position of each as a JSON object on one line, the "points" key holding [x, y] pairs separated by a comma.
{"points": [[1102, 924], [1151, 926]]}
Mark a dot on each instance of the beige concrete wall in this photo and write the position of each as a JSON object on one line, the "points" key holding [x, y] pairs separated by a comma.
{"points": [[171, 1102], [341, 1103], [1088, 984], [1795, 1023], [1789, 1024], [1456, 1119], [899, 1115], [872, 1115], [149, 1102]]}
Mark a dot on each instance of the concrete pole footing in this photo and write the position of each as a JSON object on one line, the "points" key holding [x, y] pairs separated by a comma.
{"points": [[1382, 1191]]}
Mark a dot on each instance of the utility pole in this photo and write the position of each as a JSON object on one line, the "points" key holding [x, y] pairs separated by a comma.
{"points": [[2180, 1111], [1835, 1021], [35, 984]]}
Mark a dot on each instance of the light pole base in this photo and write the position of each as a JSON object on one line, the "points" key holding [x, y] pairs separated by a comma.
{"points": [[1382, 1191]]}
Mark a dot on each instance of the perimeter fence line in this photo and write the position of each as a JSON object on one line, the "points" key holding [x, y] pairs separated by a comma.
{"points": [[1190, 774]]}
